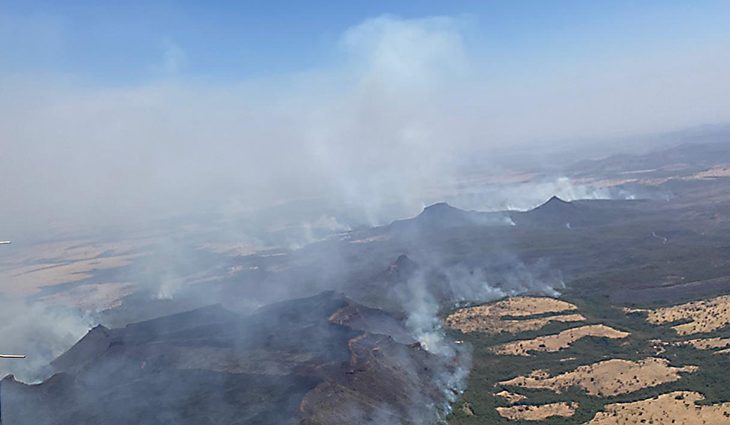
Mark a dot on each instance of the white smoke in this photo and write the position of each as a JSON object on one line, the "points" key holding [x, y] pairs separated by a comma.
{"points": [[169, 285], [395, 115], [40, 331], [528, 195], [463, 284]]}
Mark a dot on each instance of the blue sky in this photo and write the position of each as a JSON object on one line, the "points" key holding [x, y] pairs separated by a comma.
{"points": [[120, 42]]}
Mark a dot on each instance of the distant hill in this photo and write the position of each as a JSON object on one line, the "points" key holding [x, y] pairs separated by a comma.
{"points": [[679, 160], [442, 215]]}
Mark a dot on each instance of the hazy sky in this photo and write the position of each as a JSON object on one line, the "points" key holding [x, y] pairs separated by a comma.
{"points": [[135, 41], [111, 110]]}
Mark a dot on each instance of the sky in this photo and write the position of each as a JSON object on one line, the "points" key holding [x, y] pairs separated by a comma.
{"points": [[218, 41], [112, 110]]}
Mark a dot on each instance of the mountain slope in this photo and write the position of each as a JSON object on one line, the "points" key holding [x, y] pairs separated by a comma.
{"points": [[287, 363]]}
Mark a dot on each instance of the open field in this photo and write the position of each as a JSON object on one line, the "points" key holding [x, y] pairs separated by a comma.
{"points": [[512, 315], [606, 378], [557, 341], [679, 408], [706, 343], [509, 397], [700, 316], [29, 269], [530, 412]]}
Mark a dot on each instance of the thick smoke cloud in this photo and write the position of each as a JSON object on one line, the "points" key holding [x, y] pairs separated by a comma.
{"points": [[364, 132], [376, 130]]}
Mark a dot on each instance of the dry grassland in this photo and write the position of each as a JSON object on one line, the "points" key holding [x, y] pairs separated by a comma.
{"points": [[488, 318], [562, 340], [676, 408], [706, 343], [607, 378], [509, 397], [537, 412], [702, 316]]}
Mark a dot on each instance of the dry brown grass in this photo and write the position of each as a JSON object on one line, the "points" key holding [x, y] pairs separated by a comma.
{"points": [[606, 378], [231, 249], [28, 268], [706, 343], [94, 297], [555, 342], [488, 318], [714, 172], [702, 316], [27, 279], [676, 408], [537, 412], [510, 397]]}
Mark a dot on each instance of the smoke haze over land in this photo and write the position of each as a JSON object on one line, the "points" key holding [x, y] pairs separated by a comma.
{"points": [[35, 328], [378, 129], [312, 205]]}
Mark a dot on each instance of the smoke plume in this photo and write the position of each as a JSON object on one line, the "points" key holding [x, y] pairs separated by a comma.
{"points": [[42, 332]]}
